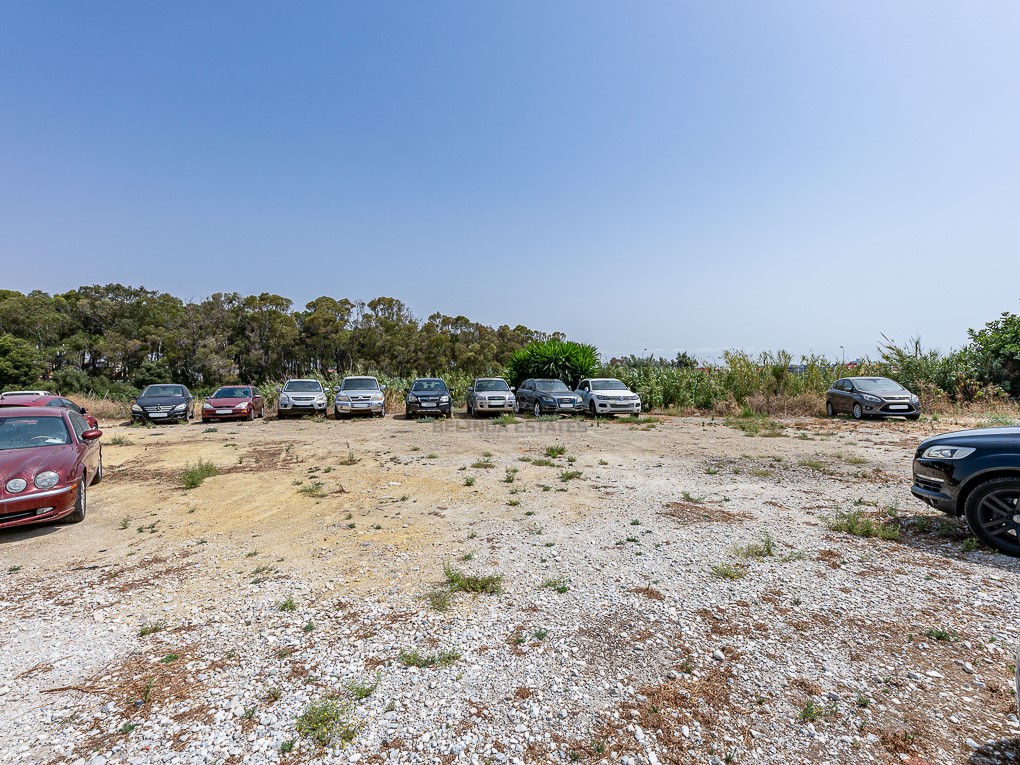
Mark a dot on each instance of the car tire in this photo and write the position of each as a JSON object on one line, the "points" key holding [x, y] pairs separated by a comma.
{"points": [[592, 410], [280, 414], [992, 509], [251, 414], [538, 409], [858, 411], [829, 411], [98, 477], [913, 416], [77, 515]]}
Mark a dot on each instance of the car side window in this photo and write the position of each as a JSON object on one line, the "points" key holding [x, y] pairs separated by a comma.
{"points": [[71, 405], [55, 403], [77, 423], [585, 385]]}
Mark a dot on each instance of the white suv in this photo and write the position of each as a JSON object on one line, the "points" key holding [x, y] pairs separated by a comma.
{"points": [[301, 397], [607, 395]]}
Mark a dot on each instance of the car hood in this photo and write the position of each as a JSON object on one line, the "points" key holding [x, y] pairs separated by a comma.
{"points": [[1007, 437], [160, 400], [226, 403], [556, 393], [26, 463], [612, 392], [359, 392]]}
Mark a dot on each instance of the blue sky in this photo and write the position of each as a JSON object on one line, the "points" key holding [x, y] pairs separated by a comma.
{"points": [[656, 175]]}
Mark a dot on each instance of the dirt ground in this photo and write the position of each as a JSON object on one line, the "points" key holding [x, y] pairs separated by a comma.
{"points": [[372, 509]]}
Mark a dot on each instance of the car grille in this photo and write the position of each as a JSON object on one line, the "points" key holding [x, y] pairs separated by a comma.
{"points": [[928, 484], [302, 398], [361, 398], [565, 401], [158, 408], [497, 398]]}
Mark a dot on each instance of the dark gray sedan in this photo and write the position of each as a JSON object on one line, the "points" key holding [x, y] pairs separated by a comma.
{"points": [[863, 397], [547, 397]]}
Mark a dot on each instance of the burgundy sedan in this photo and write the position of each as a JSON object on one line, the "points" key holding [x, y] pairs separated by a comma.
{"points": [[234, 402], [47, 399], [49, 456]]}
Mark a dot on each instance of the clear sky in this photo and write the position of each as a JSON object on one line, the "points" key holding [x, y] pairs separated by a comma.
{"points": [[640, 175]]}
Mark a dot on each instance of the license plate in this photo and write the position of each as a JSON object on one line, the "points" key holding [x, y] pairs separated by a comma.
{"points": [[224, 411], [898, 406], [427, 403], [361, 406], [566, 406], [157, 414]]}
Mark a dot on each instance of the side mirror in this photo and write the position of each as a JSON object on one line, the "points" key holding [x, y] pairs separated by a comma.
{"points": [[83, 410], [470, 388], [513, 389], [91, 435], [382, 387], [336, 388], [279, 390]]}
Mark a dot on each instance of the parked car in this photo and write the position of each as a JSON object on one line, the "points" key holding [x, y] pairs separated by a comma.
{"points": [[164, 403], [234, 402], [974, 473], [359, 395], [490, 394], [428, 395], [30, 399], [607, 395], [544, 396], [301, 397], [864, 397], [49, 456], [25, 393]]}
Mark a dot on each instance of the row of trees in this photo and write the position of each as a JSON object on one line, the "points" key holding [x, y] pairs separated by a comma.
{"points": [[107, 338]]}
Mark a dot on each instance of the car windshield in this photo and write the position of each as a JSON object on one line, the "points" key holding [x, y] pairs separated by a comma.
{"points": [[360, 383], [162, 391], [553, 386], [878, 385], [303, 386], [26, 432], [429, 386], [607, 385], [232, 393], [491, 385]]}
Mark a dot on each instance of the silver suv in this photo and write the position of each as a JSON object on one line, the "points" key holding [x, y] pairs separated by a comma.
{"points": [[301, 397], [490, 394], [359, 395]]}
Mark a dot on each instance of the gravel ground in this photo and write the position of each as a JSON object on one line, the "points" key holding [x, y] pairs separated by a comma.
{"points": [[682, 599]]}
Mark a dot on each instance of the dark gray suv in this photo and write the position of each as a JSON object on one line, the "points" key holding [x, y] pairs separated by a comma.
{"points": [[863, 397]]}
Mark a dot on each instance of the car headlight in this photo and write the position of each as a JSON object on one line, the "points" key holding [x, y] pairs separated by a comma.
{"points": [[242, 405], [872, 399], [207, 405], [377, 397], [15, 485], [443, 399], [602, 398], [344, 399], [284, 398], [947, 452], [479, 397], [46, 480], [181, 406], [136, 408], [412, 399], [320, 399], [914, 400]]}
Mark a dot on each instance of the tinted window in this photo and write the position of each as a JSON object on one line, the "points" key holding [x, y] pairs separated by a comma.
{"points": [[303, 386], [429, 386], [880, 385], [164, 390], [232, 393], [491, 385], [360, 383], [609, 384], [78, 423], [552, 386]]}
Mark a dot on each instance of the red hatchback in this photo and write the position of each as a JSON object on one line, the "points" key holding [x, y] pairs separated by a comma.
{"points": [[48, 399], [234, 402], [49, 456]]}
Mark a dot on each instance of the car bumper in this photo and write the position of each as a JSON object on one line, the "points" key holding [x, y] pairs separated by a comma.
{"points": [[159, 416], [208, 414], [935, 486], [560, 408], [303, 408], [890, 410], [420, 408], [38, 507], [621, 407], [493, 406], [375, 407]]}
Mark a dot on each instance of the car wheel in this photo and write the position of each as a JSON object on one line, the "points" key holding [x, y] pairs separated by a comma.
{"points": [[538, 409], [913, 416], [858, 412], [993, 513], [280, 415], [829, 410], [251, 414], [98, 477], [77, 515], [592, 410]]}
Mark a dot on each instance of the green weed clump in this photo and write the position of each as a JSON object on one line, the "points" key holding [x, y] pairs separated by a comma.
{"points": [[860, 525], [192, 476], [458, 581], [327, 722], [414, 659]]}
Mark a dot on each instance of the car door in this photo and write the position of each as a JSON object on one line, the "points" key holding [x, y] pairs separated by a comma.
{"points": [[256, 400], [584, 391], [526, 394], [90, 449], [852, 395]]}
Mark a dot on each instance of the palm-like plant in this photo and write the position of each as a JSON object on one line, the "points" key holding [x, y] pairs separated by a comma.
{"points": [[558, 359]]}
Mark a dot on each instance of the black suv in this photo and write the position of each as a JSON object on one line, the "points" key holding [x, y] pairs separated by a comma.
{"points": [[975, 473], [428, 395]]}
